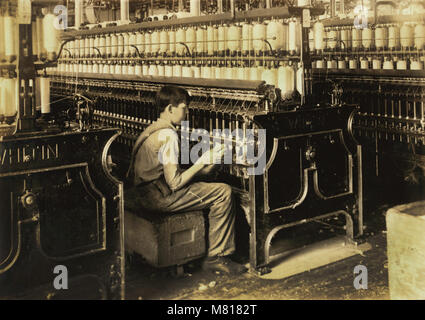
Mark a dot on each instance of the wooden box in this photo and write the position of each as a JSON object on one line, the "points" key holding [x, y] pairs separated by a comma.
{"points": [[406, 251], [165, 239]]}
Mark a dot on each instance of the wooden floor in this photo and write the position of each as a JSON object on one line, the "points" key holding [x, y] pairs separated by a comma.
{"points": [[334, 281]]}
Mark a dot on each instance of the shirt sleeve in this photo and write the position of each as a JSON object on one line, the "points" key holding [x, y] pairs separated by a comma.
{"points": [[168, 156]]}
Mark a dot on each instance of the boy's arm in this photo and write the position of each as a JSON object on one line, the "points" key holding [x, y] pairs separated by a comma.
{"points": [[174, 176]]}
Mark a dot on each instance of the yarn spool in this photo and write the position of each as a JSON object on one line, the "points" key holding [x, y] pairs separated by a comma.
{"points": [[259, 34], [356, 38], [234, 35], [253, 73], [206, 72], [87, 47], [44, 83], [168, 70], [102, 46], [381, 38], [388, 64], [311, 39], [187, 72], [51, 37], [211, 40], [406, 36], [9, 97], [416, 65], [177, 70], [367, 38], [126, 47], [131, 69], [132, 41], [222, 39], [419, 36], [286, 81], [153, 70], [376, 64], [138, 69], [140, 40], [200, 37], [299, 79], [91, 46], [247, 35], [294, 36], [145, 70], [196, 72], [352, 64], [269, 76], [320, 64], [160, 70], [172, 41], [148, 43], [332, 36], [120, 38], [114, 45], [346, 38], [393, 37], [276, 35], [401, 65], [319, 36], [180, 38], [155, 42], [191, 38], [364, 64]]}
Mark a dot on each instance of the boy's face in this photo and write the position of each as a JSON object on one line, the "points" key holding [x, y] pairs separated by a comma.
{"points": [[179, 113]]}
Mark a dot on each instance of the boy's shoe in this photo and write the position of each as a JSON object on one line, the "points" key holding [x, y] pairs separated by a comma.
{"points": [[223, 265]]}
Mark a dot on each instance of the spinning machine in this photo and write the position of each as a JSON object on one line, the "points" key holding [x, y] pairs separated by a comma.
{"points": [[247, 71], [60, 207]]}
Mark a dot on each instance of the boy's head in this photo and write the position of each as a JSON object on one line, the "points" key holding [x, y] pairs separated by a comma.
{"points": [[171, 104]]}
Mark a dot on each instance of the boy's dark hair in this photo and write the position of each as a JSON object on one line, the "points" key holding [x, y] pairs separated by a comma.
{"points": [[170, 95]]}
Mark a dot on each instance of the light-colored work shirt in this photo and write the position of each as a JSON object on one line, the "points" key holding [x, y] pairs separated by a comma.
{"points": [[159, 155]]}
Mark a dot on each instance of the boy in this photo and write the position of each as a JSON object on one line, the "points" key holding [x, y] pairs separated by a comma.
{"points": [[161, 185]]}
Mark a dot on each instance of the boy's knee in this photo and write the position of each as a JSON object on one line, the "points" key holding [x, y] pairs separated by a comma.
{"points": [[225, 190]]}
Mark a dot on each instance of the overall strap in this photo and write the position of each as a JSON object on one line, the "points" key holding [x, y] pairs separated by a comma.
{"points": [[143, 137]]}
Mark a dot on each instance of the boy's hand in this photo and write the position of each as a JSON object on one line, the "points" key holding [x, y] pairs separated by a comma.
{"points": [[213, 156], [207, 170]]}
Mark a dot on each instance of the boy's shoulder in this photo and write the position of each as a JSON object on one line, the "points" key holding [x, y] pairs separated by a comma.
{"points": [[164, 135]]}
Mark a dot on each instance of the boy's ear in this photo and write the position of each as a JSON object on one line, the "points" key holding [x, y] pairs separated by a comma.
{"points": [[169, 108]]}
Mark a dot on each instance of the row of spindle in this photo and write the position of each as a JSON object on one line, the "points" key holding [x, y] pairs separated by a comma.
{"points": [[288, 77], [377, 62], [408, 35], [276, 34]]}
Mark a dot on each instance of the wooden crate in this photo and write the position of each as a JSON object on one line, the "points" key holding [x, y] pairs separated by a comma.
{"points": [[165, 239], [406, 251]]}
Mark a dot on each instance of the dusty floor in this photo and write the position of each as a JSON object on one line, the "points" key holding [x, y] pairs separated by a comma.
{"points": [[334, 281]]}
